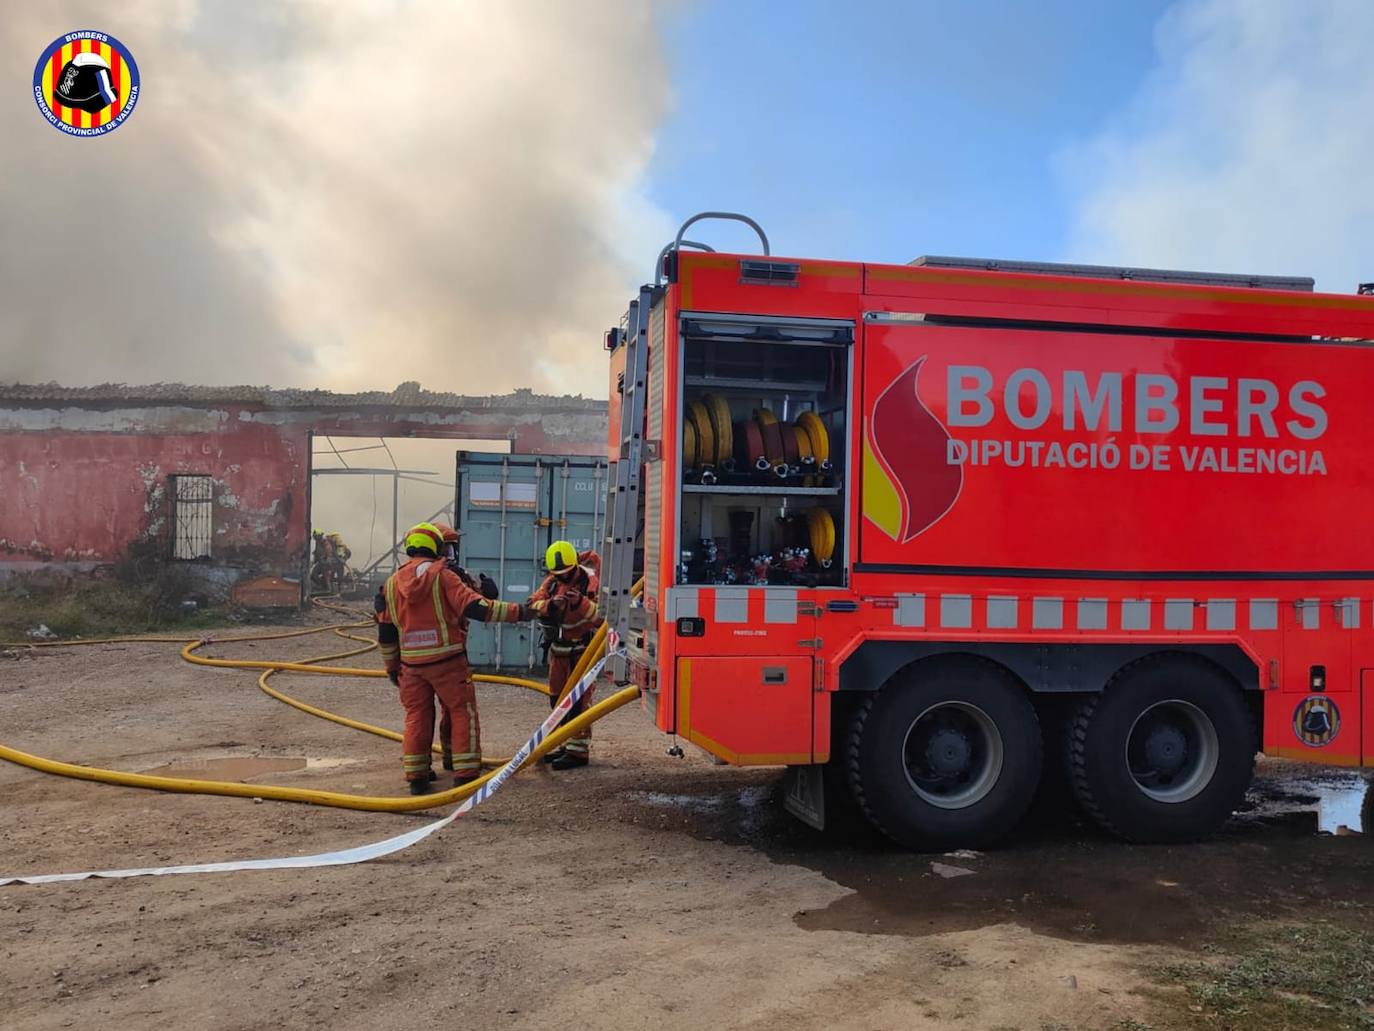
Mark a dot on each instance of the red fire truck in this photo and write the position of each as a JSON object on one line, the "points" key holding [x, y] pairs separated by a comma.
{"points": [[927, 534]]}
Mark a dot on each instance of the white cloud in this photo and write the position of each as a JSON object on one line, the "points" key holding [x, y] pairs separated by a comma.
{"points": [[1249, 148]]}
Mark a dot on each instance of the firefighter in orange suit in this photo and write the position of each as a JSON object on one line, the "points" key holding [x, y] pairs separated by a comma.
{"points": [[486, 586], [565, 605], [423, 642]]}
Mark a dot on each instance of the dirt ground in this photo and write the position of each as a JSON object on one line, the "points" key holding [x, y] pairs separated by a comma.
{"points": [[641, 891]]}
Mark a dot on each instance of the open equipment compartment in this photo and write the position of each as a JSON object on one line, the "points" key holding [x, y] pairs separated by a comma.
{"points": [[764, 434]]}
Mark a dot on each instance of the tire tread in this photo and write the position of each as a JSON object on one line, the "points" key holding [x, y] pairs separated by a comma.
{"points": [[859, 720], [853, 772], [1078, 737]]}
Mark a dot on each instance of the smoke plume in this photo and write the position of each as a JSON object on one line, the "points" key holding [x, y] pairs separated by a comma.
{"points": [[343, 195]]}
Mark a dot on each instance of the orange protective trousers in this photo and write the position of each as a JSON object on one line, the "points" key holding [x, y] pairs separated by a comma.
{"points": [[451, 682], [560, 668]]}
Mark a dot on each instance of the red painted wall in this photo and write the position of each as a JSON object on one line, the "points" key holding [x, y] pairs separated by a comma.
{"points": [[84, 483], [87, 495]]}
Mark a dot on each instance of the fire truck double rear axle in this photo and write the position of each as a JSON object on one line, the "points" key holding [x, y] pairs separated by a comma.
{"points": [[928, 534]]}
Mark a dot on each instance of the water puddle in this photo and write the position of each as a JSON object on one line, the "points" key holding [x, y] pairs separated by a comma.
{"points": [[1336, 798], [329, 763], [1058, 874], [230, 768]]}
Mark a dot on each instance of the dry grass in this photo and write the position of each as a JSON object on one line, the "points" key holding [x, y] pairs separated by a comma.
{"points": [[1317, 976], [93, 607]]}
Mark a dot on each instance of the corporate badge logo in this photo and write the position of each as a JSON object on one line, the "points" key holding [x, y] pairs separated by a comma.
{"points": [[86, 83], [1316, 721]]}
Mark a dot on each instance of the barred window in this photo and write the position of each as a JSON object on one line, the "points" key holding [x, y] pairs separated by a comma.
{"points": [[192, 504]]}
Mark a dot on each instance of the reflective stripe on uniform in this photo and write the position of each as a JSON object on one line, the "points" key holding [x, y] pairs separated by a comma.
{"points": [[439, 610], [391, 601], [502, 611], [424, 653]]}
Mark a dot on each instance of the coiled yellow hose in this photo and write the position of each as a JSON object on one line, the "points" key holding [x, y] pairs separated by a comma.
{"points": [[334, 799]]}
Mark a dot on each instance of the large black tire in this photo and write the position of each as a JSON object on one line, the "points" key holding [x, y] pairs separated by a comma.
{"points": [[1165, 752], [947, 755]]}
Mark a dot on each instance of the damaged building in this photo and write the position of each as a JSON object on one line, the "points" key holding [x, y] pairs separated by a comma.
{"points": [[219, 476]]}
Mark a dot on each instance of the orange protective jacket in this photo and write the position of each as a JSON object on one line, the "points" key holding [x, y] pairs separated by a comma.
{"points": [[570, 627], [424, 616]]}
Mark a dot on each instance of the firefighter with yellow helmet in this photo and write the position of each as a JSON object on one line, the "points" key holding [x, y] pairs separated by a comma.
{"points": [[566, 607], [422, 635]]}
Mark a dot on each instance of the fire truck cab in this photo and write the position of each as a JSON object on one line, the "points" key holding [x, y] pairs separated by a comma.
{"points": [[929, 534]]}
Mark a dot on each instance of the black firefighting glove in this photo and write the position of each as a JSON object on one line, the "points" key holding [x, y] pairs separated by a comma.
{"points": [[394, 675], [489, 589]]}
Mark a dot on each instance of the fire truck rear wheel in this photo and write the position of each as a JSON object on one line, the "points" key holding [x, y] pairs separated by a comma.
{"points": [[1165, 752], [946, 755]]}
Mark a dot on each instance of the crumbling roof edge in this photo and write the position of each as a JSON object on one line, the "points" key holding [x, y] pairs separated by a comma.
{"points": [[407, 396]]}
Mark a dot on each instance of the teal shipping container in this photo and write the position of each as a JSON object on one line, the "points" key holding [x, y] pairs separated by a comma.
{"points": [[510, 508]]}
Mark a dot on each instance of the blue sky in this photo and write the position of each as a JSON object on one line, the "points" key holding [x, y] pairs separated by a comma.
{"points": [[879, 131]]}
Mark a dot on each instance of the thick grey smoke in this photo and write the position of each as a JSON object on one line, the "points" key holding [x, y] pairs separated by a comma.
{"points": [[343, 195], [1248, 149]]}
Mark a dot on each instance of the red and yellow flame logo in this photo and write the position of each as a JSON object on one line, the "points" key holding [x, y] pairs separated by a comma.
{"points": [[908, 483]]}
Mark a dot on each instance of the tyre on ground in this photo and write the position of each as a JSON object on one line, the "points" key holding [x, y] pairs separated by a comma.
{"points": [[946, 755], [1166, 752]]}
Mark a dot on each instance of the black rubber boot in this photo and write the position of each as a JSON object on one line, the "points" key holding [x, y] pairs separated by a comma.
{"points": [[553, 757], [570, 760], [420, 787], [448, 763]]}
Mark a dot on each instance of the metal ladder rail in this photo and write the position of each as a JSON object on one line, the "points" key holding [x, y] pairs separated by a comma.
{"points": [[625, 478]]}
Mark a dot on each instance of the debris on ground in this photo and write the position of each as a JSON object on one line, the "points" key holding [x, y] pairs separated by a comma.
{"points": [[947, 871]]}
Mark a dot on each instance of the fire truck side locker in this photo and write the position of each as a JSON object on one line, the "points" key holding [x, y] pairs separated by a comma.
{"points": [[745, 490]]}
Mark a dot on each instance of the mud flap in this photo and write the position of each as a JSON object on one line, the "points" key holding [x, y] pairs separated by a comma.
{"points": [[803, 794]]}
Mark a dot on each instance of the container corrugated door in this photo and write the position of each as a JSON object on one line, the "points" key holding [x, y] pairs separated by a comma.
{"points": [[497, 509], [578, 488], [510, 509]]}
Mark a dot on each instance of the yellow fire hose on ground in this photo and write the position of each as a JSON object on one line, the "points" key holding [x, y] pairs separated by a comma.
{"points": [[368, 803]]}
